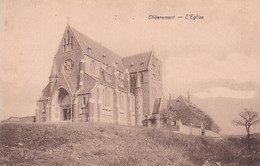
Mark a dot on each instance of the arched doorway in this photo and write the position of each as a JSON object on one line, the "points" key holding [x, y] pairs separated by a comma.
{"points": [[61, 106]]}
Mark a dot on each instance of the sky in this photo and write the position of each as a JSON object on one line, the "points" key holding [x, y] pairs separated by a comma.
{"points": [[216, 59]]}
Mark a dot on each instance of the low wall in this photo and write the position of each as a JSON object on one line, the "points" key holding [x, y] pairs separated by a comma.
{"points": [[195, 131], [28, 119], [189, 130]]}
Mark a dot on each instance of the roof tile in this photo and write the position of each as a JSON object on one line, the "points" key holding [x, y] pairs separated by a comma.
{"points": [[97, 51], [138, 62]]}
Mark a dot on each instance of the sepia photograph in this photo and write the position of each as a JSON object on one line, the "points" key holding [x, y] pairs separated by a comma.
{"points": [[130, 83]]}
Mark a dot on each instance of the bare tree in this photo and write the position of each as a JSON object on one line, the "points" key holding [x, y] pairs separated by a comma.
{"points": [[247, 119]]}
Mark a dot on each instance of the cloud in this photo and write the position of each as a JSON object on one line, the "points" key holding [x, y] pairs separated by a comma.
{"points": [[225, 93], [198, 69]]}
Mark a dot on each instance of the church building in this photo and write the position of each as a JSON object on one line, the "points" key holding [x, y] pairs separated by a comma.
{"points": [[89, 82]]}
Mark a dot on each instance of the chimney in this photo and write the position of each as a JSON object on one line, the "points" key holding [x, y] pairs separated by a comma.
{"points": [[188, 97], [170, 96]]}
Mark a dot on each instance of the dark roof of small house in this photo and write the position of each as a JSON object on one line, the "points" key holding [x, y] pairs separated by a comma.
{"points": [[156, 106], [98, 51], [178, 104], [88, 84], [138, 62], [185, 110]]}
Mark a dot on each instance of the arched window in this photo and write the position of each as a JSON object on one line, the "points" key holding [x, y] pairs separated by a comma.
{"points": [[154, 76], [68, 37], [106, 97], [123, 102], [108, 103], [103, 75], [68, 41], [84, 100], [71, 42], [93, 67], [142, 77], [120, 102], [44, 106], [64, 44], [104, 103]]}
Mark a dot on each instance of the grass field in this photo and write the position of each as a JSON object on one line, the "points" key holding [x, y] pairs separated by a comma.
{"points": [[106, 144]]}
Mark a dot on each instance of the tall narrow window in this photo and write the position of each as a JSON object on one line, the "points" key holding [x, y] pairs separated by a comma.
{"points": [[103, 75], [68, 37], [71, 42], [93, 68], [123, 101], [104, 97], [142, 77], [84, 100], [64, 44], [68, 42], [44, 106], [108, 96]]}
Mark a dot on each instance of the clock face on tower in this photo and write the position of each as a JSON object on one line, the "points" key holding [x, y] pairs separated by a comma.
{"points": [[68, 65]]}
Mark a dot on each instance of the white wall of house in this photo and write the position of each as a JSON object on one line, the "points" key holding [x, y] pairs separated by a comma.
{"points": [[189, 130], [184, 129]]}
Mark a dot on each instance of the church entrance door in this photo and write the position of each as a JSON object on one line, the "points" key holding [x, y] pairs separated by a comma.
{"points": [[61, 106], [67, 113]]}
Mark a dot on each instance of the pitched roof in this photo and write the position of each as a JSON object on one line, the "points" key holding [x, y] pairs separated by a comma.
{"points": [[46, 92], [88, 84], [97, 51], [185, 110], [138, 62], [178, 104]]}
